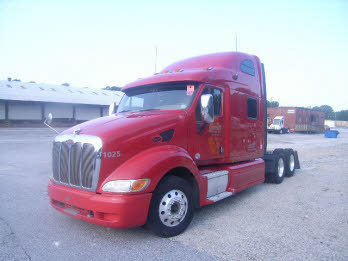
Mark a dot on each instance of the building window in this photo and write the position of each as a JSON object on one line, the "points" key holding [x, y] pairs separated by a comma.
{"points": [[247, 66], [252, 108]]}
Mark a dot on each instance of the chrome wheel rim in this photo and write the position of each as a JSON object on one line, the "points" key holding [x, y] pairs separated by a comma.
{"points": [[280, 167], [292, 162], [173, 208]]}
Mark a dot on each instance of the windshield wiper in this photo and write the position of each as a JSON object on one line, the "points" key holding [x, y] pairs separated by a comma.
{"points": [[151, 110], [124, 111]]}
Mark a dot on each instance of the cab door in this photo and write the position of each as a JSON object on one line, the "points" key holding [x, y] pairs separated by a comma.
{"points": [[208, 137]]}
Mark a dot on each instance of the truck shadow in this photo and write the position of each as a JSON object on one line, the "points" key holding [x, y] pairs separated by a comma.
{"points": [[202, 215], [227, 205]]}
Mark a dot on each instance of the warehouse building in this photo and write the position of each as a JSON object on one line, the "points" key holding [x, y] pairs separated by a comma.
{"points": [[24, 103], [299, 119]]}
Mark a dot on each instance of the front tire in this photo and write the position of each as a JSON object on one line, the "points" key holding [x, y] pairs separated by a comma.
{"points": [[171, 208]]}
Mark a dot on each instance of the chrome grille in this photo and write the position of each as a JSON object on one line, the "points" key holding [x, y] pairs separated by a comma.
{"points": [[76, 161]]}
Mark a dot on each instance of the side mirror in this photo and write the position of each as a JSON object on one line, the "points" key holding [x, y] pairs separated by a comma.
{"points": [[207, 108], [49, 118], [112, 108], [48, 121]]}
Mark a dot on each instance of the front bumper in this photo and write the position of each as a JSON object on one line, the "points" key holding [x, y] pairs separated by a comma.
{"points": [[117, 211]]}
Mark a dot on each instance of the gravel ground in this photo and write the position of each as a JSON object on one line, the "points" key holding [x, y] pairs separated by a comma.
{"points": [[304, 218]]}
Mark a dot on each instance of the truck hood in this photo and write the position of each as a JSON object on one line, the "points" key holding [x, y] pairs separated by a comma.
{"points": [[123, 126], [127, 134]]}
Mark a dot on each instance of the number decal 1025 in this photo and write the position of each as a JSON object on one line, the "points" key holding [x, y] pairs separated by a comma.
{"points": [[112, 154]]}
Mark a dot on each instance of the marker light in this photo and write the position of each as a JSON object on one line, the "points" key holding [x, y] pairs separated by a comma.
{"points": [[132, 185]]}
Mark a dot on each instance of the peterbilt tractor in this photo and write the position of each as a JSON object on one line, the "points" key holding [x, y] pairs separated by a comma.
{"points": [[189, 136]]}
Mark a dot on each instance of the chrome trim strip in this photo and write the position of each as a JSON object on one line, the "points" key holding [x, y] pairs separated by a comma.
{"points": [[60, 151], [216, 174], [80, 172], [69, 164], [98, 147]]}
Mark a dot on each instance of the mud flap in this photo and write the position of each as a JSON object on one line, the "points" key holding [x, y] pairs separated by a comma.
{"points": [[297, 161]]}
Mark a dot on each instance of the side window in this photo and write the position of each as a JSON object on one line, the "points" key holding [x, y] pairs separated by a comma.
{"points": [[217, 97], [247, 66], [217, 100], [252, 108]]}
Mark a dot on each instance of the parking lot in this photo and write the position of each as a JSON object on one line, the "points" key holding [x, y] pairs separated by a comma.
{"points": [[304, 218]]}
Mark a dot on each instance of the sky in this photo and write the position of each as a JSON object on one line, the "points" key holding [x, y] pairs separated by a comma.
{"points": [[303, 44]]}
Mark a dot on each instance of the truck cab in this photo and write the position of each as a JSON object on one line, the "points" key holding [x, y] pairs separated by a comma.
{"points": [[278, 126], [186, 137]]}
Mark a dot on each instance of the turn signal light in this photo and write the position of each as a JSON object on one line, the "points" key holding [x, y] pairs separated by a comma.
{"points": [[133, 185], [139, 184]]}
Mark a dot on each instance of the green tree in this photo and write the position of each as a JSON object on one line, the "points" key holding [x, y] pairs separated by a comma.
{"points": [[329, 112], [273, 104], [342, 115]]}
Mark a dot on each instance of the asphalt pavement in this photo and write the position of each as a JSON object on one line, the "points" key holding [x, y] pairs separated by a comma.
{"points": [[304, 218]]}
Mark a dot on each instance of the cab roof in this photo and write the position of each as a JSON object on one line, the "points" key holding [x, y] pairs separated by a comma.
{"points": [[204, 68]]}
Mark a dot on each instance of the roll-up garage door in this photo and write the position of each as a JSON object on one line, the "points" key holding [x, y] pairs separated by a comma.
{"points": [[105, 110], [24, 111], [2, 110], [60, 110], [87, 112]]}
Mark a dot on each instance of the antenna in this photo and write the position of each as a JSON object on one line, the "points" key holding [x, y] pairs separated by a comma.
{"points": [[235, 76], [155, 59], [236, 43]]}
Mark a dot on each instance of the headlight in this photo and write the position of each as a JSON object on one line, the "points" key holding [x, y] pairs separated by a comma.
{"points": [[131, 185]]}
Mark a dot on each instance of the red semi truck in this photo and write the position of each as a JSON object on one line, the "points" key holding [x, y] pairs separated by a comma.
{"points": [[187, 137]]}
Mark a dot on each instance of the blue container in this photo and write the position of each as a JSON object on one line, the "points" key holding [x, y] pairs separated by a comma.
{"points": [[331, 133]]}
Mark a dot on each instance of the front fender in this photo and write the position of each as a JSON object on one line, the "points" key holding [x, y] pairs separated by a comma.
{"points": [[153, 164]]}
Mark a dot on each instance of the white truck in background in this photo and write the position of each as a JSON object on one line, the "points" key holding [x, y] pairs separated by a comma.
{"points": [[277, 126]]}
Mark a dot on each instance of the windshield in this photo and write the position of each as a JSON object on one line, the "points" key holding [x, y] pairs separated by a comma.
{"points": [[276, 121], [163, 96]]}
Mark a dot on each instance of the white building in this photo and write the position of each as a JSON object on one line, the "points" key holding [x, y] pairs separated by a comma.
{"points": [[21, 101]]}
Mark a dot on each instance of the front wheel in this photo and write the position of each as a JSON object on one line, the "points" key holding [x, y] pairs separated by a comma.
{"points": [[171, 209]]}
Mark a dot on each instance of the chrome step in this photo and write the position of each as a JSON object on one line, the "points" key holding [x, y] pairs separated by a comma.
{"points": [[217, 182], [220, 196]]}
